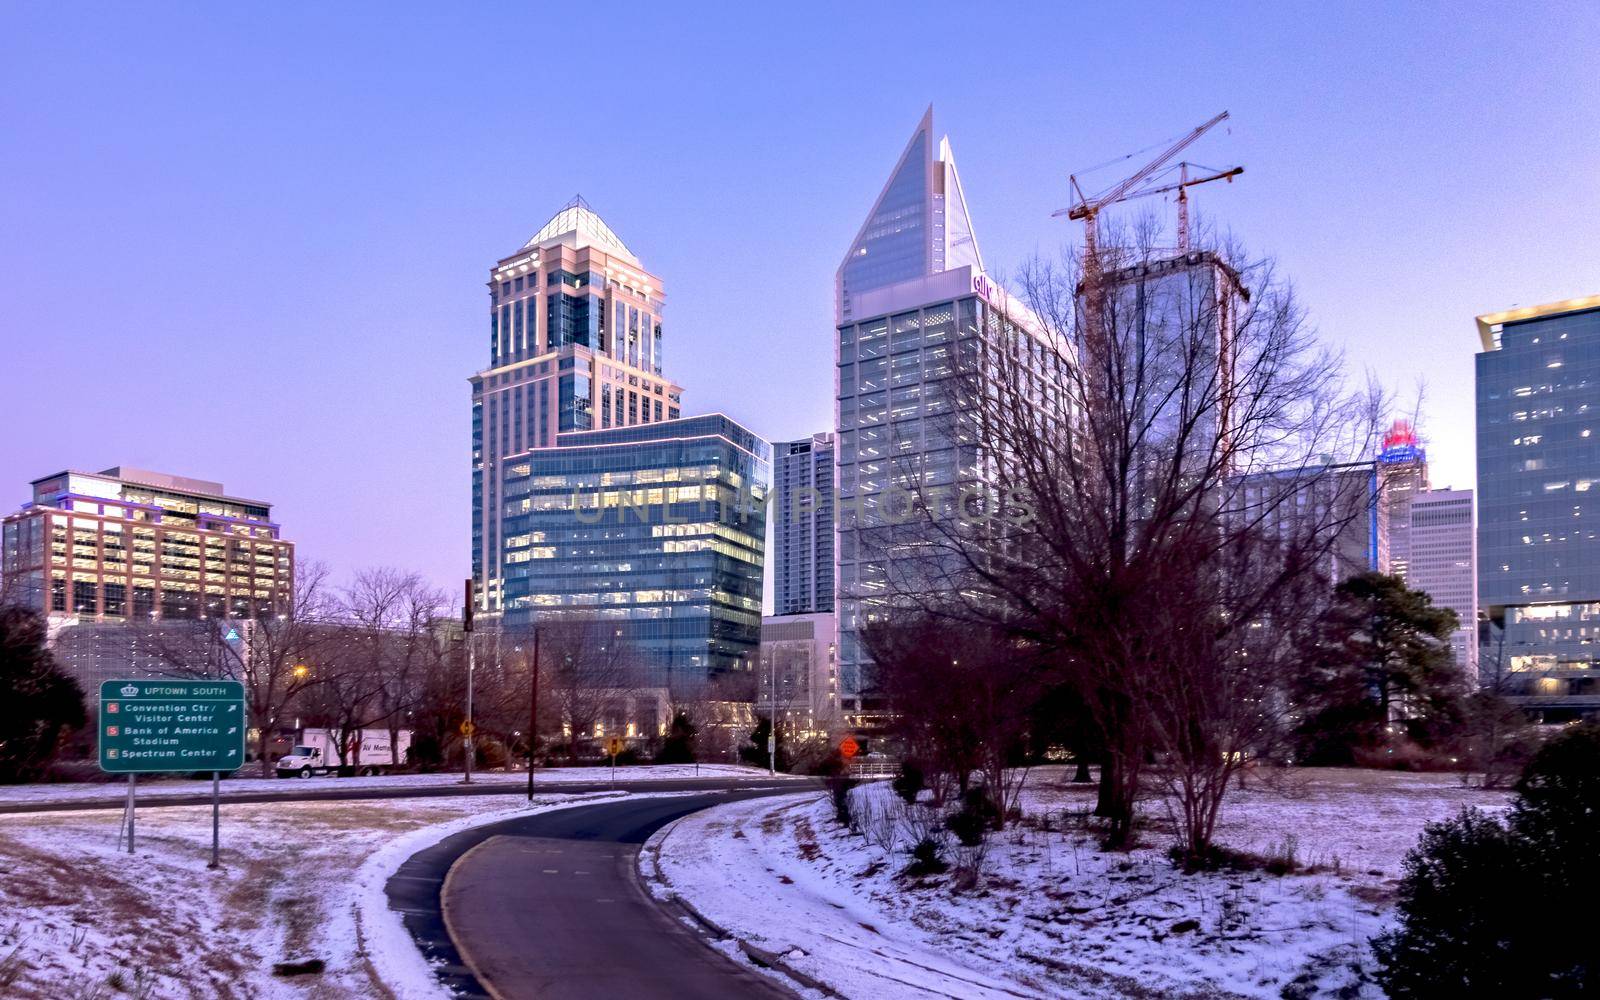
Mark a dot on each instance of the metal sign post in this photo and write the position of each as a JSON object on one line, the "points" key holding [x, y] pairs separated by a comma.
{"points": [[216, 818], [156, 725], [614, 746], [127, 817]]}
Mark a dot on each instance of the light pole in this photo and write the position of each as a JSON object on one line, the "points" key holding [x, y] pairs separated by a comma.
{"points": [[533, 713], [472, 662], [772, 731]]}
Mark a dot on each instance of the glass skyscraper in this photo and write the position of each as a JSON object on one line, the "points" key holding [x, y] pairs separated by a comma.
{"points": [[802, 555], [658, 529], [574, 344], [912, 304], [1538, 396]]}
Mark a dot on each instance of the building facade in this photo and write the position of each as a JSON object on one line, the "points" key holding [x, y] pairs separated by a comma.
{"points": [[575, 343], [1402, 476], [1538, 417], [1442, 561], [800, 674], [131, 545], [802, 554], [657, 529], [912, 306], [1306, 503]]}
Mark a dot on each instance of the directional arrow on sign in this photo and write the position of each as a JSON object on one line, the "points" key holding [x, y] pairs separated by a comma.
{"points": [[233, 708]]}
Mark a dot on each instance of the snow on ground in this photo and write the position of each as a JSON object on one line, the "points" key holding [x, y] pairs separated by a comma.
{"points": [[150, 786], [299, 881], [1051, 914]]}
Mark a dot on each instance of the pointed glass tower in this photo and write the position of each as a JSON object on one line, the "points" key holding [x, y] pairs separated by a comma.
{"points": [[911, 297], [919, 225]]}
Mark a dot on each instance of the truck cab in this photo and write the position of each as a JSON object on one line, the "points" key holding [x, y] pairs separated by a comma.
{"points": [[301, 761]]}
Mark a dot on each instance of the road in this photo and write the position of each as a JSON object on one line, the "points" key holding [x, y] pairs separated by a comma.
{"points": [[294, 791], [550, 906]]}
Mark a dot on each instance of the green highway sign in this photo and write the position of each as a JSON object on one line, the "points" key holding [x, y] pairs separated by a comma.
{"points": [[171, 725]]}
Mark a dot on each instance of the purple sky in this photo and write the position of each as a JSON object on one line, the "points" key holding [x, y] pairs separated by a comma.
{"points": [[250, 244]]}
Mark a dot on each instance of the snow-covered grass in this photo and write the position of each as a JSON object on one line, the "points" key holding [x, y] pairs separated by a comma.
{"points": [[299, 881], [1051, 914], [114, 793]]}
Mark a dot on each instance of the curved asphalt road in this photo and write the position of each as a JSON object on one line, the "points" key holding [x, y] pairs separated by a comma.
{"points": [[550, 906], [295, 791]]}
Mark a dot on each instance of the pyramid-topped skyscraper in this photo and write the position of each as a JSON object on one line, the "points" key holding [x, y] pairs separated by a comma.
{"points": [[574, 344]]}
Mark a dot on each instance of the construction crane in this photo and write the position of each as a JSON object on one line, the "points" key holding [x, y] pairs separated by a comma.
{"points": [[1088, 209]]}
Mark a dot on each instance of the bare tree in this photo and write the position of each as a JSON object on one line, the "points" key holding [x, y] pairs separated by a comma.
{"points": [[964, 698], [268, 653], [1497, 738], [585, 667], [349, 670], [1111, 462], [398, 610]]}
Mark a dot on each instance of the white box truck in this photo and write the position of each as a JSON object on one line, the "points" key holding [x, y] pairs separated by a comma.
{"points": [[317, 752]]}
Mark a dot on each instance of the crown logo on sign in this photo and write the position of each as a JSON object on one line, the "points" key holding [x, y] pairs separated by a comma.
{"points": [[130, 690]]}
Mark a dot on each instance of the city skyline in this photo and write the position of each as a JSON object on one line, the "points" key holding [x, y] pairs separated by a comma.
{"points": [[242, 288]]}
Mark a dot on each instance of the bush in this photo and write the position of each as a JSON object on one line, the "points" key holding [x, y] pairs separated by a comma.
{"points": [[1556, 823], [1457, 901], [927, 857], [910, 782], [972, 822], [1474, 888], [677, 747], [839, 787], [42, 703]]}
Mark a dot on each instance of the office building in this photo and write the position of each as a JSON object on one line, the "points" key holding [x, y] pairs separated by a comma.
{"points": [[656, 531], [1343, 498], [800, 674], [142, 573], [802, 554], [910, 290], [1402, 475], [1177, 315], [1442, 562], [1538, 416], [128, 544], [575, 343]]}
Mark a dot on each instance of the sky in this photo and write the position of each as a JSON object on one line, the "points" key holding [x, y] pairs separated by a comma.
{"points": [[249, 243]]}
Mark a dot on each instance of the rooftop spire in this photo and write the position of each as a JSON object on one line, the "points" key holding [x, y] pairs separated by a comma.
{"points": [[577, 225]]}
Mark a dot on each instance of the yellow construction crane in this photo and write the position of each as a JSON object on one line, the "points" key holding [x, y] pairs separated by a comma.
{"points": [[1088, 209]]}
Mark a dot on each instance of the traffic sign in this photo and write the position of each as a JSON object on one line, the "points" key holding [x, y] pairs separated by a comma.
{"points": [[849, 748], [171, 725], [615, 745]]}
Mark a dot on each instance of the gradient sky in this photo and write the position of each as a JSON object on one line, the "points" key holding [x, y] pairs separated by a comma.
{"points": [[249, 244]]}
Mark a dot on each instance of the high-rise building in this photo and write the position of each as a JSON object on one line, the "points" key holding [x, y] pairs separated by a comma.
{"points": [[574, 344], [128, 544], [1538, 399], [802, 555], [1402, 475], [656, 532], [1177, 315], [142, 573], [1442, 561], [910, 293], [799, 673], [1345, 497]]}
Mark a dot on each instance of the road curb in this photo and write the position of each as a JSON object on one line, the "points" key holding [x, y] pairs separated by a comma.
{"points": [[760, 956]]}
